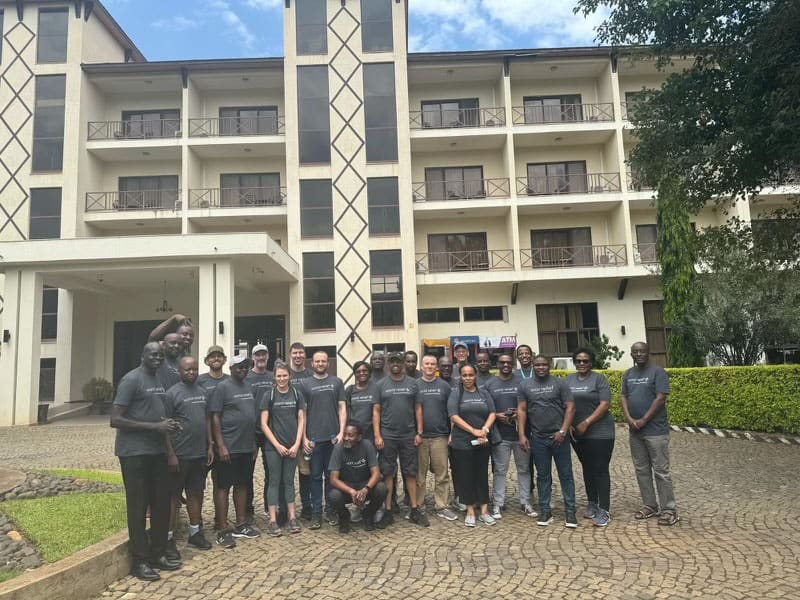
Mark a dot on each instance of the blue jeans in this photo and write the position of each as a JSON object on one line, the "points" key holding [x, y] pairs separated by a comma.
{"points": [[544, 453], [320, 458], [501, 457]]}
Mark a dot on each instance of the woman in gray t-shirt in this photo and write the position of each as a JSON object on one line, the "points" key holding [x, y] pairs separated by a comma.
{"points": [[592, 433]]}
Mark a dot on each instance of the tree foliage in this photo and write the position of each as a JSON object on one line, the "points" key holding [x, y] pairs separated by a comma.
{"points": [[604, 351]]}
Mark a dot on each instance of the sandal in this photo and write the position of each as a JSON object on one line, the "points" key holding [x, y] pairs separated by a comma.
{"points": [[646, 512], [668, 518]]}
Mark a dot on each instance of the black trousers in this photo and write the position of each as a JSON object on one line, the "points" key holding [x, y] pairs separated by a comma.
{"points": [[147, 483], [595, 455], [375, 500], [471, 468]]}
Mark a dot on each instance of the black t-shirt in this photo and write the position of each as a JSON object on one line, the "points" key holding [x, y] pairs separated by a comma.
{"points": [[283, 409], [322, 398], [187, 405], [168, 373], [143, 394], [354, 464], [474, 408], [359, 407], [433, 395], [398, 400], [546, 402], [210, 383], [505, 394], [237, 407]]}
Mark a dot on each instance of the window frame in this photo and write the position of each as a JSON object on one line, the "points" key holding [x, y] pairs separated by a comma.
{"points": [[574, 115], [35, 220], [41, 104], [318, 113], [579, 255], [49, 317], [305, 209], [300, 28], [386, 299], [270, 126], [564, 185], [40, 36], [469, 318], [262, 195], [455, 259], [582, 334], [367, 24], [156, 198], [382, 206], [314, 307], [440, 188], [168, 126], [436, 316], [380, 150], [462, 110]]}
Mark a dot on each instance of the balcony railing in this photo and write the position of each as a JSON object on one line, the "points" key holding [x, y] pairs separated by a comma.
{"points": [[134, 130], [224, 126], [240, 197], [635, 183], [574, 256], [461, 189], [563, 113], [628, 110], [645, 254], [579, 183], [136, 200], [467, 260], [462, 117]]}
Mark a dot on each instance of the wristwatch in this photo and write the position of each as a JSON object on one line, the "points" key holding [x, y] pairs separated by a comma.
{"points": [[485, 430], [562, 432], [419, 433]]}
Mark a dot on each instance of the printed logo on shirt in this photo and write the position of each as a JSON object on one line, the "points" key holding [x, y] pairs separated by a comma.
{"points": [[356, 463], [637, 380], [195, 400]]}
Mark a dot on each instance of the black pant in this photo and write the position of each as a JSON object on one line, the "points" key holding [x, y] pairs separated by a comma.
{"points": [[374, 501], [471, 468], [595, 455], [147, 483]]}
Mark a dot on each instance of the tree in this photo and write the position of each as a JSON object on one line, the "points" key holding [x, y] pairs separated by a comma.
{"points": [[604, 351]]}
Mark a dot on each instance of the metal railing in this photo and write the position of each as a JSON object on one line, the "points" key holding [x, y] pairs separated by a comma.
{"points": [[134, 130], [579, 183], [462, 189], [627, 110], [133, 200], [645, 254], [224, 126], [563, 113], [461, 117], [635, 183], [574, 256], [239, 197], [466, 260]]}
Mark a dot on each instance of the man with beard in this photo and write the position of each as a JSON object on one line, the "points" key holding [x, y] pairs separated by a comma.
{"points": [[261, 380]]}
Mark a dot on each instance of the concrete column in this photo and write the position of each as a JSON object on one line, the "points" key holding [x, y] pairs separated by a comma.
{"points": [[206, 322], [225, 297], [64, 346]]}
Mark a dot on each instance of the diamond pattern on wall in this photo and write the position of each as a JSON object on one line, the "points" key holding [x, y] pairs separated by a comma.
{"points": [[14, 117]]}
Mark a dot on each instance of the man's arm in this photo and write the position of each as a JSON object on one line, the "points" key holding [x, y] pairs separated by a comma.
{"points": [[420, 424], [661, 399], [119, 420], [342, 421], [216, 428], [376, 425], [168, 326], [522, 418]]}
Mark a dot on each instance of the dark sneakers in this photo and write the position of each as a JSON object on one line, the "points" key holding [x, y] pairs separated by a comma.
{"points": [[570, 520], [144, 572], [199, 541], [368, 521], [344, 524], [305, 514], [332, 517], [418, 517], [545, 518], [316, 521], [225, 538], [386, 520], [171, 551], [246, 531]]}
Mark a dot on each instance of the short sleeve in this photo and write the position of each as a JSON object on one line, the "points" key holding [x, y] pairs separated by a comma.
{"points": [[300, 399], [489, 400], [126, 391], [624, 388], [216, 400], [521, 395], [372, 455], [335, 463], [566, 392], [452, 404], [415, 388], [662, 381], [339, 390], [264, 402], [603, 390], [171, 402]]}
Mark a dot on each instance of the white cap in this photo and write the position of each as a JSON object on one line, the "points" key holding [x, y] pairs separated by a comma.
{"points": [[259, 348], [239, 359]]}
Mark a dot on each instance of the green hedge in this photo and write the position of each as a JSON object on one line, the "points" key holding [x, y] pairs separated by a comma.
{"points": [[760, 398]]}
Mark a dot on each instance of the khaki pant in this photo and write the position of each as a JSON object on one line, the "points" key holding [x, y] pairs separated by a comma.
{"points": [[432, 455]]}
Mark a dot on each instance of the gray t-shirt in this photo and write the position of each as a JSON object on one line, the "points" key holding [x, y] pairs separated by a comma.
{"points": [[398, 401], [210, 383], [322, 398], [640, 386], [143, 395], [474, 408], [261, 382], [546, 400], [433, 395], [482, 380], [587, 395], [237, 407], [505, 395], [359, 407], [283, 408], [296, 377], [187, 405], [354, 464], [168, 373]]}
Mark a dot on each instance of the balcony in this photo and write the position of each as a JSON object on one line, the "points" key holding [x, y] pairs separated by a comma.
{"points": [[581, 183], [645, 254], [465, 261], [134, 130], [133, 200], [561, 114], [237, 197], [635, 183], [234, 126], [574, 256], [461, 189], [456, 118]]}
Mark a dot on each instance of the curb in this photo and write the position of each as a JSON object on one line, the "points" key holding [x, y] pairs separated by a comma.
{"points": [[753, 436]]}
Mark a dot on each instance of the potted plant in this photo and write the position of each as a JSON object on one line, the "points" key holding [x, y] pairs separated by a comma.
{"points": [[99, 392]]}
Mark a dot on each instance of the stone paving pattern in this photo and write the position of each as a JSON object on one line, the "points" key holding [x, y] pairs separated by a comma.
{"points": [[738, 538]]}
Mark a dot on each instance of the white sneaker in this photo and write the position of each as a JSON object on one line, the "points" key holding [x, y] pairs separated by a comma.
{"points": [[469, 521], [487, 519], [496, 514], [530, 511]]}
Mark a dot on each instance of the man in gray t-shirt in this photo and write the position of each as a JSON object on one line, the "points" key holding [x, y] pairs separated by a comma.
{"points": [[644, 392], [168, 372]]}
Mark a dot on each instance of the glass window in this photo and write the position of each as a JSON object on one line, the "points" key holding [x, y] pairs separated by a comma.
{"points": [[258, 120], [646, 236], [565, 327], [451, 113], [454, 183], [155, 192], [557, 178], [561, 247], [150, 123], [51, 41], [49, 313], [319, 293], [250, 189], [48, 123], [47, 379], [386, 286], [45, 222], [316, 208], [376, 25], [312, 27], [656, 331], [457, 252], [553, 109], [313, 112], [384, 206], [380, 112], [485, 313], [438, 315]]}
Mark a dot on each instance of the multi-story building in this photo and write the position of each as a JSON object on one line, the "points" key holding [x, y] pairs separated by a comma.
{"points": [[351, 195]]}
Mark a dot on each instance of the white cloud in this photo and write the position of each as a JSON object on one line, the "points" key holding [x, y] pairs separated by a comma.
{"points": [[263, 4], [236, 26], [176, 23]]}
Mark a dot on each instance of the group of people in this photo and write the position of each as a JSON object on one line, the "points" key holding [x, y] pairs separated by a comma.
{"points": [[449, 417]]}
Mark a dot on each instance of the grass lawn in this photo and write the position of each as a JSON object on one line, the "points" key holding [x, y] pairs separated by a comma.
{"points": [[111, 477], [6, 575]]}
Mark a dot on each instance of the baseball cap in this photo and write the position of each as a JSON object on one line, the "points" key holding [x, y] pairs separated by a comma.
{"points": [[215, 349], [238, 359], [259, 348], [396, 356], [460, 345]]}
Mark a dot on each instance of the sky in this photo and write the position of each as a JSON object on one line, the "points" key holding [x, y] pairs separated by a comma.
{"points": [[187, 29]]}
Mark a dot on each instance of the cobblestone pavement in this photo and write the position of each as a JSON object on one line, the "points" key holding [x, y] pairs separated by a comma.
{"points": [[737, 539]]}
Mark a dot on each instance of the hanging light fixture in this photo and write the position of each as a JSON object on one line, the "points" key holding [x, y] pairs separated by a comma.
{"points": [[164, 307]]}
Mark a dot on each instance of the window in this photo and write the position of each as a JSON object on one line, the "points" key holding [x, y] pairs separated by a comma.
{"points": [[316, 208], [656, 331], [565, 327], [457, 252], [438, 315], [561, 247], [329, 350], [259, 120], [151, 123], [319, 292], [557, 178], [380, 112], [313, 114], [384, 206], [49, 313], [646, 236], [454, 183], [45, 221], [451, 113], [48, 123], [51, 39], [159, 191], [47, 379], [553, 109], [312, 27], [250, 189], [376, 25], [485, 313], [386, 286]]}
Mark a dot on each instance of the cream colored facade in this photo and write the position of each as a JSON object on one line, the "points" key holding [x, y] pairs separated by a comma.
{"points": [[224, 261]]}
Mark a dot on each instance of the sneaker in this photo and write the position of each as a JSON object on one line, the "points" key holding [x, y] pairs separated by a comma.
{"points": [[305, 514], [171, 551], [469, 521], [274, 529], [386, 520], [529, 511], [246, 531], [344, 525], [601, 518], [459, 506], [570, 520], [447, 514], [487, 519], [378, 515], [332, 517], [591, 511], [419, 517], [294, 526], [356, 514], [545, 518], [316, 521], [496, 514], [225, 538], [199, 541]]}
